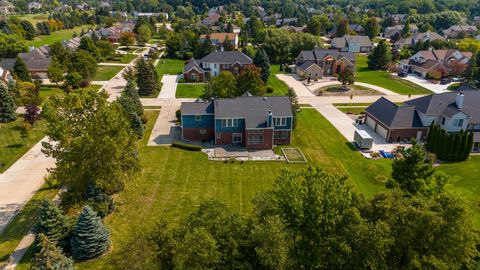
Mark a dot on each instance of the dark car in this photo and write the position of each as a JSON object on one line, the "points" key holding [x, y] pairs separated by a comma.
{"points": [[403, 74], [445, 81]]}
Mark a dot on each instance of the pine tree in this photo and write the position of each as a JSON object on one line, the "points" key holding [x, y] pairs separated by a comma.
{"points": [[431, 133], [468, 146], [52, 223], [50, 257], [32, 113], [20, 71], [7, 105], [261, 60], [90, 237], [146, 78], [137, 125], [380, 56], [406, 28]]}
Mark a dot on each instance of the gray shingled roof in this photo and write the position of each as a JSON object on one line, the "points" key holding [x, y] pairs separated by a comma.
{"points": [[192, 63], [253, 109], [227, 57], [394, 116], [319, 54], [196, 108]]}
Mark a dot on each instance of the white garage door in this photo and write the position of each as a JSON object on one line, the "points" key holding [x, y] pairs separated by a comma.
{"points": [[371, 123], [382, 131]]}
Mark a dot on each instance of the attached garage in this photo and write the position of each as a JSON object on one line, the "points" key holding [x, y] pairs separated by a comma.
{"points": [[370, 122], [382, 131]]}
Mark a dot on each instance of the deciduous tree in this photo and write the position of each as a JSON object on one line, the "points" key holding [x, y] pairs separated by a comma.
{"points": [[221, 86], [20, 71], [380, 56], [250, 80]]}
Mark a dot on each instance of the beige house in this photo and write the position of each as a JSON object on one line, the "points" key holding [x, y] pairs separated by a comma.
{"points": [[317, 63]]}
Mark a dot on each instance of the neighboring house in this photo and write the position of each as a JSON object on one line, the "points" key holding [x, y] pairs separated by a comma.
{"points": [[294, 29], [356, 28], [453, 111], [455, 30], [214, 63], [316, 63], [252, 122], [6, 66], [218, 39], [6, 7], [425, 61], [210, 20], [260, 11], [477, 37], [151, 14], [356, 44], [113, 33], [391, 31], [285, 21], [408, 42], [34, 6], [398, 18], [235, 28]]}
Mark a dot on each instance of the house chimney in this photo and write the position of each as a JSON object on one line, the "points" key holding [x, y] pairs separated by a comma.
{"points": [[269, 118], [459, 100]]}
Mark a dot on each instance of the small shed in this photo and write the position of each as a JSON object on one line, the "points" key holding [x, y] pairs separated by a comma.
{"points": [[362, 139]]}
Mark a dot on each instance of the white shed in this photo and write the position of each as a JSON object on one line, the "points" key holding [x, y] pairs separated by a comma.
{"points": [[363, 139]]}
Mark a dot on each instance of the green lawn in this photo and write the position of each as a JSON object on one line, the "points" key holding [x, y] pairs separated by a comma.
{"points": [[167, 188], [56, 36], [49, 90], [190, 90], [170, 66], [352, 110], [280, 86], [105, 73], [13, 145], [32, 18], [381, 78], [122, 58]]}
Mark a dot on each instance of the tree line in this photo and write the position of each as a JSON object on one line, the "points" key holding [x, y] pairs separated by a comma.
{"points": [[449, 146]]}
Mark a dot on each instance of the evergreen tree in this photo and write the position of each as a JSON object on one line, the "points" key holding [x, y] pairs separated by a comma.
{"points": [[431, 134], [457, 146], [20, 71], [7, 105], [472, 72], [99, 200], [52, 223], [137, 125], [229, 28], [406, 28], [28, 28], [342, 28], [261, 60], [50, 257], [32, 113], [90, 238], [380, 56], [450, 148], [372, 28], [146, 78], [468, 146]]}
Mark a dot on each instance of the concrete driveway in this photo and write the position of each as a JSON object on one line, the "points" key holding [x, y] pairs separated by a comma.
{"points": [[435, 88], [293, 81], [169, 87]]}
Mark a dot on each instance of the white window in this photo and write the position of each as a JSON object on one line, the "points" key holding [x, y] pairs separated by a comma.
{"points": [[458, 123], [229, 122], [198, 118], [280, 134], [202, 131], [255, 131], [237, 137], [280, 121], [255, 139]]}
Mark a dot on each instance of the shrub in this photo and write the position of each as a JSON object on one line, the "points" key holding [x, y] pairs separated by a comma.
{"points": [[178, 114], [270, 89], [185, 146], [434, 75]]}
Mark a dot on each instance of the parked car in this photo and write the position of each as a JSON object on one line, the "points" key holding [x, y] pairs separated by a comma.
{"points": [[445, 81], [457, 79], [403, 74]]}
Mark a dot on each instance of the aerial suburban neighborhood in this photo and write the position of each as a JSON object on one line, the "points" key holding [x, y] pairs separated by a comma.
{"points": [[239, 134]]}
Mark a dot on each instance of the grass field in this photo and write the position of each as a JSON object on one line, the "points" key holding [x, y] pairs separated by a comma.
{"points": [[105, 73], [352, 110], [189, 90], [170, 66], [167, 188], [280, 86], [32, 18], [381, 78], [121, 58], [13, 145], [61, 35]]}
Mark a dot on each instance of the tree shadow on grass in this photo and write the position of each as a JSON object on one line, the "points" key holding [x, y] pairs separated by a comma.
{"points": [[17, 145]]}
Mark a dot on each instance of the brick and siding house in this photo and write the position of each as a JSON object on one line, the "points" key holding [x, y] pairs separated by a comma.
{"points": [[211, 65], [218, 39], [355, 44], [425, 61], [253, 122], [316, 63]]}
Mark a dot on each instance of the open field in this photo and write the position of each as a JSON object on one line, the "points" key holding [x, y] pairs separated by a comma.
{"points": [[170, 66], [61, 35], [280, 86], [13, 145], [105, 73], [190, 90], [32, 18], [381, 78]]}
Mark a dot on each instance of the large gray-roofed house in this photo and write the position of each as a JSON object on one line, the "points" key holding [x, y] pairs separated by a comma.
{"points": [[316, 63], [356, 44]]}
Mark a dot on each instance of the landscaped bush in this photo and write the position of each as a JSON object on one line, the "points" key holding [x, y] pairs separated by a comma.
{"points": [[449, 146], [178, 114], [270, 89], [185, 146]]}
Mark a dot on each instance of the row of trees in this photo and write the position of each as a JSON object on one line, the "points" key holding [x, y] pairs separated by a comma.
{"points": [[449, 146], [228, 85], [314, 220]]}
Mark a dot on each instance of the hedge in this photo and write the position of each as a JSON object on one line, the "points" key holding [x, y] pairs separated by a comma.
{"points": [[185, 146]]}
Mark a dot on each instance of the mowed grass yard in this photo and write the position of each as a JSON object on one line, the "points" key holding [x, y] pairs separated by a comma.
{"points": [[381, 78], [167, 188], [188, 90], [170, 66], [13, 145], [61, 35], [105, 73], [279, 86]]}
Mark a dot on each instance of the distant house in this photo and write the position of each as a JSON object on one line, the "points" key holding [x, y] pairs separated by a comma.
{"points": [[316, 63], [34, 6], [214, 63], [293, 29], [452, 111], [455, 30], [6, 7], [253, 122], [210, 20], [285, 21], [408, 42], [152, 14], [391, 31], [357, 44], [113, 33], [6, 67], [425, 61], [357, 28], [235, 28], [218, 39], [398, 18]]}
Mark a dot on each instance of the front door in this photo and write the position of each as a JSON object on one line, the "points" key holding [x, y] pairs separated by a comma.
{"points": [[237, 138]]}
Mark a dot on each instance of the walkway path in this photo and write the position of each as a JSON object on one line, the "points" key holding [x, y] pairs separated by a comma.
{"points": [[113, 64]]}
